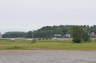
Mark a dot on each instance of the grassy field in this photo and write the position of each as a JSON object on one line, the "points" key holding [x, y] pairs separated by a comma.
{"points": [[46, 44]]}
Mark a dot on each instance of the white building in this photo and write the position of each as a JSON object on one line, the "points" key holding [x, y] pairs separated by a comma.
{"points": [[62, 36], [93, 35], [67, 36], [57, 35]]}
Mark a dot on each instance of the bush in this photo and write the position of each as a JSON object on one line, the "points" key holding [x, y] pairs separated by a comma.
{"points": [[34, 41], [76, 40]]}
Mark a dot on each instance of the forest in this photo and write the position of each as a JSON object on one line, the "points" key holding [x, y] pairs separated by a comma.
{"points": [[48, 32]]}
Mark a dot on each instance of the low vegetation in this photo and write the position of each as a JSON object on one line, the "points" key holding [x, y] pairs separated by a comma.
{"points": [[46, 44]]}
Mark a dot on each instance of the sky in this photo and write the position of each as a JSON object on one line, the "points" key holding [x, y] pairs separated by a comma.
{"points": [[25, 15]]}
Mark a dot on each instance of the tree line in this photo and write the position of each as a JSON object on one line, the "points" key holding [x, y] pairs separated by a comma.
{"points": [[44, 32], [49, 31]]}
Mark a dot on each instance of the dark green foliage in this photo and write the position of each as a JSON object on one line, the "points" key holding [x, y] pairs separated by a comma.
{"points": [[80, 33], [86, 36], [86, 33], [29, 34], [77, 34], [93, 28], [49, 31], [14, 34]]}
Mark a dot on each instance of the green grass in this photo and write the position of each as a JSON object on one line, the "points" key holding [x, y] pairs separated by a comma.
{"points": [[46, 44]]}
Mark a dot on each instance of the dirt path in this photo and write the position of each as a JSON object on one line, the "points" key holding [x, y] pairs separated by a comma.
{"points": [[47, 56]]}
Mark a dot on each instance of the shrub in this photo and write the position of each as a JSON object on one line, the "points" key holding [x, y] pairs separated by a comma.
{"points": [[34, 41]]}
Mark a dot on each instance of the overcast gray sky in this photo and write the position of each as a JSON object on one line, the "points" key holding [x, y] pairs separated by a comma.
{"points": [[25, 15]]}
